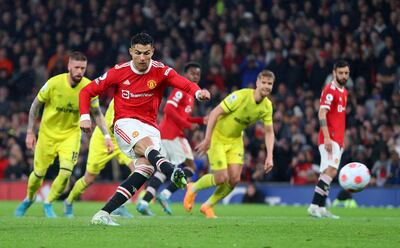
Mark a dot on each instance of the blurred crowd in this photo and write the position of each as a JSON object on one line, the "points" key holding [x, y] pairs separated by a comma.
{"points": [[233, 41]]}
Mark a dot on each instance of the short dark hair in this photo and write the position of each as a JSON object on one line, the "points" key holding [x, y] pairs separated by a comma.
{"points": [[78, 56], [190, 65], [142, 39], [341, 64]]}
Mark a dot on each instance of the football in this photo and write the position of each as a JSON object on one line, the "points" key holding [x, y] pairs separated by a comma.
{"points": [[354, 177]]}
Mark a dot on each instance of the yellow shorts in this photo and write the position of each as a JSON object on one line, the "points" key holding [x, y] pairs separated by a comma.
{"points": [[98, 156], [225, 151], [47, 149]]}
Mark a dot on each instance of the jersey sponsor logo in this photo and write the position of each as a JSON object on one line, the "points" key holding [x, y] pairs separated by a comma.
{"points": [[243, 122], [135, 134], [151, 84], [340, 108], [68, 109], [167, 71], [126, 94], [328, 99]]}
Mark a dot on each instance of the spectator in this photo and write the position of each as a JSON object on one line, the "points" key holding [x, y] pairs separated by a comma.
{"points": [[253, 195]]}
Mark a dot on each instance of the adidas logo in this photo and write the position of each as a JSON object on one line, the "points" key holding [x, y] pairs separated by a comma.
{"points": [[126, 82]]}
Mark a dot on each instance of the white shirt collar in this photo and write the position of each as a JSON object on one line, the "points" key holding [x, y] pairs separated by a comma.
{"points": [[139, 72], [335, 84]]}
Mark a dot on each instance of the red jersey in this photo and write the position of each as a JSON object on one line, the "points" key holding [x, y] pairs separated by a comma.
{"points": [[137, 94], [335, 100], [177, 115]]}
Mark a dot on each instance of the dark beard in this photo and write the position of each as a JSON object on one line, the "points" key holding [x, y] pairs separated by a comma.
{"points": [[342, 82]]}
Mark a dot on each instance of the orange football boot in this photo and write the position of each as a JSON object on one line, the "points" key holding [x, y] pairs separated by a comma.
{"points": [[190, 196], [208, 211]]}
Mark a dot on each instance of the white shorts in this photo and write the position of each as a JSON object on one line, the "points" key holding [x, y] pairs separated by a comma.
{"points": [[129, 131], [332, 160], [177, 150]]}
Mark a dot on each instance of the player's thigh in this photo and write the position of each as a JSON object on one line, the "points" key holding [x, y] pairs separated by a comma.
{"points": [[217, 156], [122, 158], [98, 156], [332, 160], [44, 156], [235, 153], [128, 132], [177, 150], [68, 151]]}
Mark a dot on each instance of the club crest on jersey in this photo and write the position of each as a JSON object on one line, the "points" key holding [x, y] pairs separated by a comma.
{"points": [[151, 84], [135, 134]]}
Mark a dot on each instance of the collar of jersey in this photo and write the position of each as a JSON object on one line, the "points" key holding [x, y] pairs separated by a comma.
{"points": [[139, 72], [337, 87]]}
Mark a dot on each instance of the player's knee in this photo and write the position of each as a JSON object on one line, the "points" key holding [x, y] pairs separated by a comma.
{"points": [[141, 146], [145, 170], [234, 181], [39, 173], [220, 178], [331, 171], [89, 178], [190, 164], [65, 172]]}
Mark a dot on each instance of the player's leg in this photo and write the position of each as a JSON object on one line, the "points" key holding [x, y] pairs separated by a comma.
{"points": [[143, 170], [165, 194], [178, 151], [97, 160], [328, 169], [218, 164], [123, 160], [234, 155], [43, 158], [68, 151], [141, 139], [154, 183], [136, 139]]}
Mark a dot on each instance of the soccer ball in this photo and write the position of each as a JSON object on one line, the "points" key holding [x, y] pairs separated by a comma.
{"points": [[354, 177]]}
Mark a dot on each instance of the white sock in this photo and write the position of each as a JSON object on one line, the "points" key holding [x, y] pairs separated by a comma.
{"points": [[166, 193]]}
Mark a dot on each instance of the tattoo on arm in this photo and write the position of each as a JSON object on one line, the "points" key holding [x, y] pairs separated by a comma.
{"points": [[33, 112], [99, 118], [322, 122]]}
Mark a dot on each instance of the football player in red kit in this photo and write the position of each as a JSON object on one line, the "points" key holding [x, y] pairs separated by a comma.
{"points": [[177, 118], [332, 119], [138, 89]]}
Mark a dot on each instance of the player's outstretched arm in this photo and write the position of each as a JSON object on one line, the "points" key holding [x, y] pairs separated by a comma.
{"points": [[203, 147], [269, 144], [30, 140], [101, 123]]}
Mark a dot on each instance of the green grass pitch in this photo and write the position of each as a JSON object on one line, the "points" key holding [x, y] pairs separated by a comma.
{"points": [[237, 226]]}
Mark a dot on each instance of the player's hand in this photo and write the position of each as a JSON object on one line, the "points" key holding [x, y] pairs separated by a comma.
{"points": [[203, 95], [30, 140], [203, 147], [194, 126], [328, 145], [205, 120], [109, 144], [86, 126], [269, 163]]}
